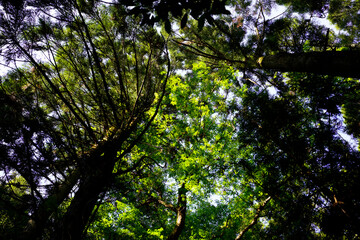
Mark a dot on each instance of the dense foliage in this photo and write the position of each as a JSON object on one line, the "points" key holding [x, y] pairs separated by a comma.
{"points": [[138, 119]]}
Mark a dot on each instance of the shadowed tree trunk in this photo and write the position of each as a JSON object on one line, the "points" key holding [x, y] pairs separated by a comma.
{"points": [[344, 63], [96, 180], [180, 211], [337, 63], [180, 214]]}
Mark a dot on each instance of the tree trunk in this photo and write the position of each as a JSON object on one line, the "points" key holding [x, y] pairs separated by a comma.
{"points": [[81, 207], [180, 223], [96, 178], [180, 214], [337, 63]]}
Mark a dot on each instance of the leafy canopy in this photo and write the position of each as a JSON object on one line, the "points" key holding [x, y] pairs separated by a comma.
{"points": [[116, 127]]}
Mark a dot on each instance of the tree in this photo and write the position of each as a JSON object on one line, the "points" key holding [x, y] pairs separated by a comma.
{"points": [[81, 105], [320, 61], [290, 46], [180, 146], [302, 158], [271, 181]]}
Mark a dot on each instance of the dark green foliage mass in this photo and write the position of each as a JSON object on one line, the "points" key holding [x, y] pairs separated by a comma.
{"points": [[164, 10]]}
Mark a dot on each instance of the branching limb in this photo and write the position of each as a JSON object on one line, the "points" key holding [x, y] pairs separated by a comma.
{"points": [[180, 214], [255, 219]]}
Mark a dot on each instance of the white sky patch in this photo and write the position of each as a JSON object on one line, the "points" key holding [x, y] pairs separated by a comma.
{"points": [[277, 11], [214, 199], [350, 139]]}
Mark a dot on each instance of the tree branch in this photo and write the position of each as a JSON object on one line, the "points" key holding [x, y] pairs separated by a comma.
{"points": [[167, 205], [254, 221]]}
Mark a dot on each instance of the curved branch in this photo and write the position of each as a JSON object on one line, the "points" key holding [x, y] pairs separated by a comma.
{"points": [[167, 205], [255, 219]]}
